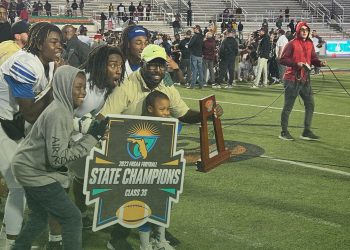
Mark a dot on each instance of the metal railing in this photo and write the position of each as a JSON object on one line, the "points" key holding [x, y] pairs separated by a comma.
{"points": [[270, 16]]}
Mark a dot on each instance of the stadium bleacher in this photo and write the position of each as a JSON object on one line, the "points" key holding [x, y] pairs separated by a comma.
{"points": [[254, 11]]}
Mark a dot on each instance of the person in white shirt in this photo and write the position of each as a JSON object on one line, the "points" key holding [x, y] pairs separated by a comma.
{"points": [[280, 44], [83, 36], [318, 42]]}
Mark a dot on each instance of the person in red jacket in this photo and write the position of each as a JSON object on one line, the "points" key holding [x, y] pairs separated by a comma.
{"points": [[298, 55]]}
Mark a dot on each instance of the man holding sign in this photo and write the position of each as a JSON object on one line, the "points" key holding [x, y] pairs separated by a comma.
{"points": [[128, 98]]}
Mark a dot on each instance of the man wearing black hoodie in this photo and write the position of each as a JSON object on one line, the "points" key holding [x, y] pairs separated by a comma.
{"points": [[263, 53], [5, 26], [185, 64], [196, 49], [227, 56], [76, 52]]}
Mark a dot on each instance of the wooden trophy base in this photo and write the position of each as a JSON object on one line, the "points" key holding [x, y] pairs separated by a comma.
{"points": [[214, 161], [208, 160]]}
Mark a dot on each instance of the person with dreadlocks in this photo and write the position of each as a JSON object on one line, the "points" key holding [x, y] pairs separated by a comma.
{"points": [[105, 69], [298, 55], [25, 91]]}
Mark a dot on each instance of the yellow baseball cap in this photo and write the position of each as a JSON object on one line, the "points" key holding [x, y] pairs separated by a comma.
{"points": [[153, 51]]}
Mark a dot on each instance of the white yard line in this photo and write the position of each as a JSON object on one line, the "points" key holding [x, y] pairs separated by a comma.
{"points": [[305, 165], [260, 106]]}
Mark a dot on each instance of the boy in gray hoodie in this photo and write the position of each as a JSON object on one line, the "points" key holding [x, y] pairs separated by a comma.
{"points": [[39, 164]]}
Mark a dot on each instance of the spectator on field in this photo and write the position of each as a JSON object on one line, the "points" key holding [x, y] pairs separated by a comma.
{"points": [[227, 56], [189, 17], [68, 9], [110, 10], [12, 11], [19, 31], [196, 49], [279, 22], [291, 27], [280, 44], [298, 55], [5, 26], [263, 56], [47, 7], [84, 37], [140, 11], [121, 11], [24, 15], [148, 12], [239, 12], [35, 9], [318, 43], [185, 64], [176, 26], [81, 7], [240, 31], [265, 24], [132, 9], [286, 15], [209, 54], [76, 51], [40, 8], [75, 8], [103, 19]]}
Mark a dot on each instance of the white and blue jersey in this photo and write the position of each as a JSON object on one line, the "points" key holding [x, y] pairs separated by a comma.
{"points": [[22, 76]]}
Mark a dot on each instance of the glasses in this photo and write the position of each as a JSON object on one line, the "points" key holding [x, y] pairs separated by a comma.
{"points": [[155, 66], [304, 30]]}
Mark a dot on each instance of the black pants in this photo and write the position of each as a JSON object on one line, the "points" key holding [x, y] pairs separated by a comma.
{"points": [[292, 91], [226, 65]]}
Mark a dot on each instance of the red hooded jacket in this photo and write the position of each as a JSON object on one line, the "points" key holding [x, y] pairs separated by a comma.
{"points": [[299, 50]]}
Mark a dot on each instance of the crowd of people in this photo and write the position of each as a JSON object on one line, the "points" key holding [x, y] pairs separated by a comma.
{"points": [[57, 86]]}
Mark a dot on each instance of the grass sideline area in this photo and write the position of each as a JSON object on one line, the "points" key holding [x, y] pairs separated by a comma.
{"points": [[280, 194]]}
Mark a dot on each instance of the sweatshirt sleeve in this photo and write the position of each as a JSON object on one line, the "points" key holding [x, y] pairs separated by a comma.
{"points": [[58, 129], [287, 56]]}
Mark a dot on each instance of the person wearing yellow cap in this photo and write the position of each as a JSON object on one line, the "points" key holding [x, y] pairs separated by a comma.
{"points": [[19, 31], [128, 98]]}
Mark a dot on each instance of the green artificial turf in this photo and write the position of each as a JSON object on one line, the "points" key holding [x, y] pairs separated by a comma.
{"points": [[260, 203]]}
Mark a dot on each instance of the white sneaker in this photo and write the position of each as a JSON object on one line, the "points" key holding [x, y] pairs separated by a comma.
{"points": [[3, 233], [254, 86], [229, 87], [163, 245]]}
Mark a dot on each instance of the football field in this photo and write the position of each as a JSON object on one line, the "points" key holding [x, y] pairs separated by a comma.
{"points": [[271, 194]]}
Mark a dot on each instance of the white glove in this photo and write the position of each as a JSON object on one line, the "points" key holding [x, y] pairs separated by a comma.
{"points": [[82, 125]]}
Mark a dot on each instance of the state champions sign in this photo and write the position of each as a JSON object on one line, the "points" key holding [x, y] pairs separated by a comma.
{"points": [[137, 173]]}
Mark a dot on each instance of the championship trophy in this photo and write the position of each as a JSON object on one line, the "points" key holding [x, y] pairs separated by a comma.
{"points": [[210, 160]]}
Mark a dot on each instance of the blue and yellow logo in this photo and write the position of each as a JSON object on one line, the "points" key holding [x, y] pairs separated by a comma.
{"points": [[142, 139]]}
